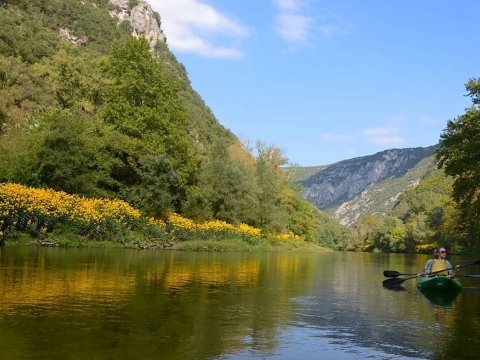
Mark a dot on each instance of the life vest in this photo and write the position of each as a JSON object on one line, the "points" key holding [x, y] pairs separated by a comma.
{"points": [[439, 264]]}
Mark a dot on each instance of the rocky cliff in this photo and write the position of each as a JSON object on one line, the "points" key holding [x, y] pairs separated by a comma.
{"points": [[351, 188], [379, 199], [143, 20]]}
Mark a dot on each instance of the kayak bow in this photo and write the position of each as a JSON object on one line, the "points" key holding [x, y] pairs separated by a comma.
{"points": [[439, 283]]}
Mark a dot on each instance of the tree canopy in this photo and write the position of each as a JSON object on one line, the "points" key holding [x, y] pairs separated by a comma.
{"points": [[459, 156]]}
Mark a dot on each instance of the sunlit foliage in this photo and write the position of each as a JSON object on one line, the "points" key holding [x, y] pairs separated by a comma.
{"points": [[459, 156]]}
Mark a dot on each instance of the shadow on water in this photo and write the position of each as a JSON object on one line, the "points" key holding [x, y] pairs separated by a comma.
{"points": [[396, 289]]}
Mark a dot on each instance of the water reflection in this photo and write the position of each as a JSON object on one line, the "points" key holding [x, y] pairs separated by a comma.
{"points": [[440, 298], [125, 304]]}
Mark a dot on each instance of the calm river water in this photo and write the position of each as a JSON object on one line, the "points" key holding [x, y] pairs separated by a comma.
{"points": [[126, 304]]}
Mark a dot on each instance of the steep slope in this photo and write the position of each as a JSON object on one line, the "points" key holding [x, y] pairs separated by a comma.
{"points": [[204, 128], [379, 199], [299, 173], [366, 184], [87, 109]]}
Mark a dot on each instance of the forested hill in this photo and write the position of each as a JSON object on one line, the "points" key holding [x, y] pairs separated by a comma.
{"points": [[92, 102]]}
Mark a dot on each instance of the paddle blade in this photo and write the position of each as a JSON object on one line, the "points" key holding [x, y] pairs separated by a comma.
{"points": [[472, 263], [392, 283], [391, 273]]}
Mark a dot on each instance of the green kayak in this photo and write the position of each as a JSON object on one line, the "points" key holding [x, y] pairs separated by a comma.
{"points": [[438, 283]]}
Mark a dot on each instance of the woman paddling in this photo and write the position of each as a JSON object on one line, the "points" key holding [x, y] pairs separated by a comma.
{"points": [[440, 263]]}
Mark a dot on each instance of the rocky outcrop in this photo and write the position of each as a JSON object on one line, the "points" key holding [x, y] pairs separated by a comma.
{"points": [[376, 200], [143, 20], [69, 36], [333, 188]]}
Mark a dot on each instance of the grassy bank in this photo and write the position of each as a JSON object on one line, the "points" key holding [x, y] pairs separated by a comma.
{"points": [[135, 241]]}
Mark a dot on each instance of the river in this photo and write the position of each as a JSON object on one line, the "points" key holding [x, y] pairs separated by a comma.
{"points": [[128, 304]]}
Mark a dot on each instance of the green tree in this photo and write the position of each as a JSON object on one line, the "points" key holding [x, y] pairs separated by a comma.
{"points": [[157, 187], [228, 187], [29, 40], [302, 216], [270, 181], [75, 78], [366, 230], [141, 102], [392, 235], [72, 156], [459, 156], [23, 92]]}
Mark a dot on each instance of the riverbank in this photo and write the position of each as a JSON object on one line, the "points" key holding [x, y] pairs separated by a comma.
{"points": [[44, 217], [135, 241]]}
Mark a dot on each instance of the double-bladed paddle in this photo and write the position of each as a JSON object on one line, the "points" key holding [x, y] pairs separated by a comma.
{"points": [[393, 273], [396, 282]]}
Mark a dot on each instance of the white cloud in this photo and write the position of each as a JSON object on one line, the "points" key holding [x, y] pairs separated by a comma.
{"points": [[296, 22], [292, 23], [293, 28], [195, 27], [287, 5], [384, 136]]}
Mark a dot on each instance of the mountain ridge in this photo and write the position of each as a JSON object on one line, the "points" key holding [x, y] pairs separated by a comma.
{"points": [[340, 187]]}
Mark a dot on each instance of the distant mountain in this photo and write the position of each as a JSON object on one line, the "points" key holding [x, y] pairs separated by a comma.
{"points": [[299, 173], [366, 185]]}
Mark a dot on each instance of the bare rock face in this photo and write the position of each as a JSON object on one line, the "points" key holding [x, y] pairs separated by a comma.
{"points": [[145, 23], [348, 187], [69, 36]]}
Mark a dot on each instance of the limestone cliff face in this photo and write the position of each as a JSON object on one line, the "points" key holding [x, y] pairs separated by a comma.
{"points": [[144, 21], [348, 186], [379, 199]]}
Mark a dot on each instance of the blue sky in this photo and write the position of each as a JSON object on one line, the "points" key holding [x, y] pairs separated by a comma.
{"points": [[328, 80]]}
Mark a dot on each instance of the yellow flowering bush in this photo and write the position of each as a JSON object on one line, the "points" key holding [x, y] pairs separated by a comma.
{"points": [[425, 248], [366, 246], [183, 228], [249, 230], [39, 210], [285, 236], [180, 222]]}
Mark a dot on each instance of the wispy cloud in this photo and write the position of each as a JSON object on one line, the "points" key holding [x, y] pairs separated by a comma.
{"points": [[293, 28], [292, 23], [384, 136], [192, 26], [296, 23], [330, 25], [287, 5]]}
